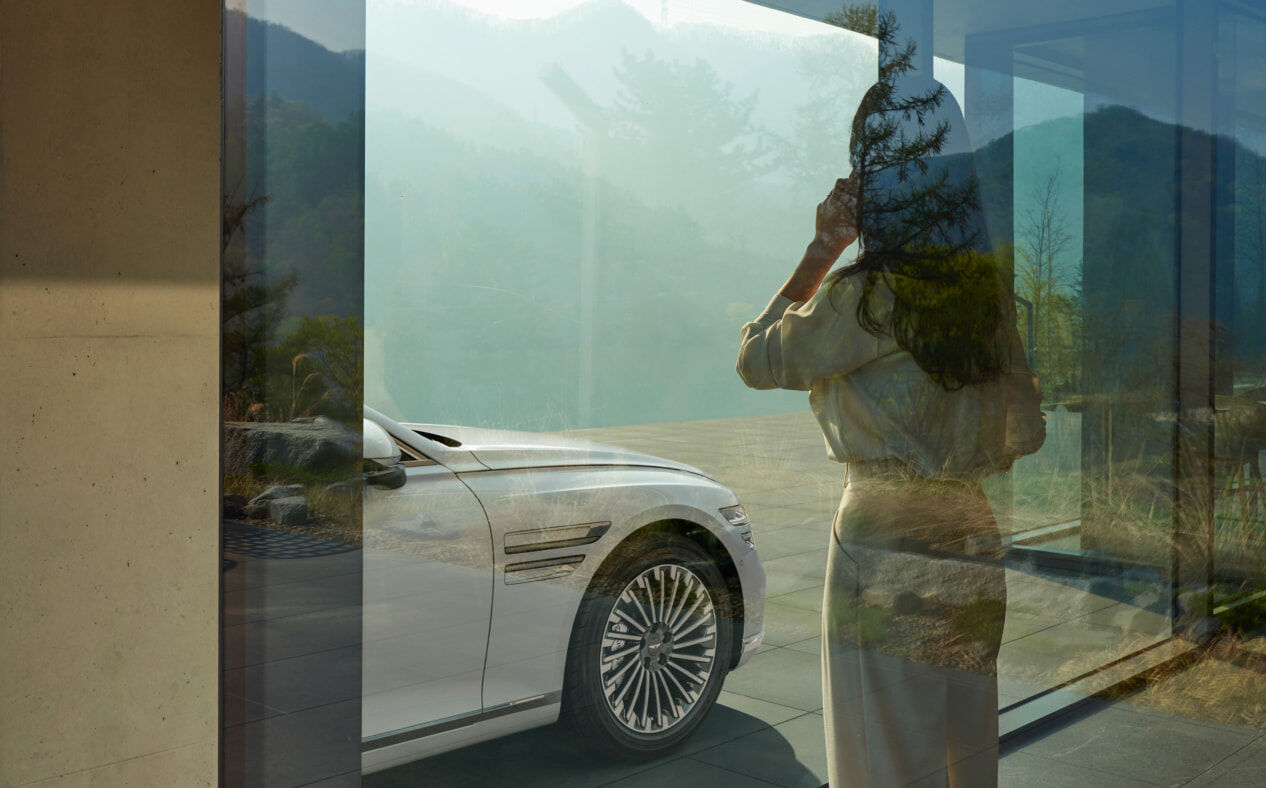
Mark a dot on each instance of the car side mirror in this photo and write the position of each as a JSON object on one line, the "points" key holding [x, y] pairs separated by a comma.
{"points": [[381, 457], [377, 475]]}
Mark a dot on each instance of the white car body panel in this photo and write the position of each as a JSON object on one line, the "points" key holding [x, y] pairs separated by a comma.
{"points": [[532, 621], [427, 601], [502, 449], [513, 530]]}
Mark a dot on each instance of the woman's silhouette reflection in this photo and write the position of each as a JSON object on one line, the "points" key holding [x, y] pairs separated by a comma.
{"points": [[918, 380]]}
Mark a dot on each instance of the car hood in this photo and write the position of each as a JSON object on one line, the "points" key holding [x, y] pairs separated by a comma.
{"points": [[501, 449]]}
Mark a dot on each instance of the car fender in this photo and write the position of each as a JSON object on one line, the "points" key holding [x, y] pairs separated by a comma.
{"points": [[570, 519]]}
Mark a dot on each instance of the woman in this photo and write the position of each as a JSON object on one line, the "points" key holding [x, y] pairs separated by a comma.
{"points": [[918, 381]]}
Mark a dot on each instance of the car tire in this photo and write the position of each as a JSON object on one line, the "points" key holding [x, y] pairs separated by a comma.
{"points": [[650, 648]]}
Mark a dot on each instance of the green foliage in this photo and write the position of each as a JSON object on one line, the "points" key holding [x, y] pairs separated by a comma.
{"points": [[981, 619], [1055, 301], [872, 624], [327, 367], [920, 220], [251, 307], [290, 253], [863, 18]]}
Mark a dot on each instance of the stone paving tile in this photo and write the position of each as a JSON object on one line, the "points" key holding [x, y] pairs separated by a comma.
{"points": [[688, 771], [1065, 651], [820, 497], [785, 624], [782, 676], [297, 683], [734, 716], [791, 754], [312, 594], [1014, 689], [292, 636], [1023, 770], [793, 573], [1159, 750], [316, 744], [239, 710], [1245, 768], [811, 645], [550, 756], [772, 519], [791, 541], [1039, 595], [1022, 624], [347, 780], [807, 598], [539, 758]]}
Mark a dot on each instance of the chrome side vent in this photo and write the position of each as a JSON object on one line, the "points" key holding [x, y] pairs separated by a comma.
{"points": [[533, 539], [544, 569]]}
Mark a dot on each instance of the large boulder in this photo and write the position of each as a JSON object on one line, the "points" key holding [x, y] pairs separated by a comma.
{"points": [[288, 511], [278, 491], [319, 445]]}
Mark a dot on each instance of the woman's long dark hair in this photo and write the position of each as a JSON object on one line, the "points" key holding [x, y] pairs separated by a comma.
{"points": [[922, 232]]}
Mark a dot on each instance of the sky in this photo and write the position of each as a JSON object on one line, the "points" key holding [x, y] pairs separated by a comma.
{"points": [[728, 13]]}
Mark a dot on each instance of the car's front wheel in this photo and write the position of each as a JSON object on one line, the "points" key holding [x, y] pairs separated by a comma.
{"points": [[650, 648]]}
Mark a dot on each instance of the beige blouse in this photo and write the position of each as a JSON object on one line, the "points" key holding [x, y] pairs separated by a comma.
{"points": [[873, 401]]}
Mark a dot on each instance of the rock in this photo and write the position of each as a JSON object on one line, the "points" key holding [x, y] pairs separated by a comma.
{"points": [[343, 488], [902, 602], [256, 511], [1149, 600], [1132, 620], [319, 446], [907, 602], [878, 597], [1194, 602], [280, 491], [288, 511], [954, 582], [234, 504], [1202, 630]]}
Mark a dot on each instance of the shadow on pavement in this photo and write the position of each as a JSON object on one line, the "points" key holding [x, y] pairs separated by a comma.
{"points": [[551, 757]]}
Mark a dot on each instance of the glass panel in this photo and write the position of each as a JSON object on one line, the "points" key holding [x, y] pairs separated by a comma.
{"points": [[291, 372], [572, 209], [1096, 271], [1240, 416]]}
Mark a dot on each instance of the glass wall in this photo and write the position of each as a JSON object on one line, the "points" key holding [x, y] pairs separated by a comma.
{"points": [[580, 549], [291, 381]]}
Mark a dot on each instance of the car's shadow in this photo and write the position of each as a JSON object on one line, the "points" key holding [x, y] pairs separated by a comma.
{"points": [[551, 757]]}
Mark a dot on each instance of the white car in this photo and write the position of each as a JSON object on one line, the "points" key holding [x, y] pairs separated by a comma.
{"points": [[510, 578]]}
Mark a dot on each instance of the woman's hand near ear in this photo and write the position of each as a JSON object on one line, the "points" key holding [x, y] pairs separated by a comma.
{"points": [[836, 228]]}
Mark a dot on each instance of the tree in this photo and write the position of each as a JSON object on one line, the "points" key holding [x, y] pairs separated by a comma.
{"points": [[837, 73], [329, 347], [863, 18], [1044, 238], [251, 306], [687, 139]]}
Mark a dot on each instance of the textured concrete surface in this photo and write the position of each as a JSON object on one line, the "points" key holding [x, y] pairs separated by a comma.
{"points": [[109, 299]]}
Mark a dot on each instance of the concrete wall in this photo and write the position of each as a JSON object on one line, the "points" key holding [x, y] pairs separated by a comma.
{"points": [[109, 264]]}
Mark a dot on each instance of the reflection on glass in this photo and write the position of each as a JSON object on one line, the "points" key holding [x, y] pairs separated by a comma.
{"points": [[918, 378], [291, 379], [571, 205]]}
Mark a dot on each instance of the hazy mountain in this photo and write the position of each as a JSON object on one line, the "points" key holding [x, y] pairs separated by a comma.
{"points": [[282, 62]]}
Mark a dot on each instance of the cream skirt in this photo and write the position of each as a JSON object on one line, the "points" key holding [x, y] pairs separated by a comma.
{"points": [[912, 621]]}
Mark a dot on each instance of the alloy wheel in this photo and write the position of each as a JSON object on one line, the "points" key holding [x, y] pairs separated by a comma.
{"points": [[658, 648]]}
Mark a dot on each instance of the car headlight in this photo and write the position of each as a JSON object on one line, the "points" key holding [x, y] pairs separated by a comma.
{"points": [[737, 518]]}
